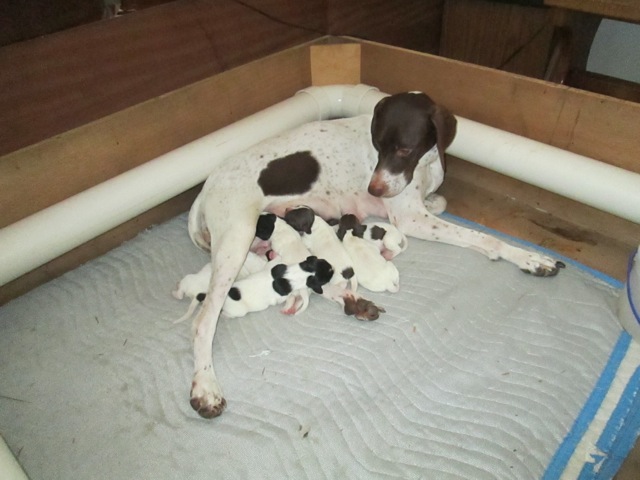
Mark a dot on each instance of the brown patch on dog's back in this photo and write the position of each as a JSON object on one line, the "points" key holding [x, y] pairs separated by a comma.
{"points": [[290, 175]]}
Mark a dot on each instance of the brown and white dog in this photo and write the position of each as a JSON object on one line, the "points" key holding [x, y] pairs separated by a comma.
{"points": [[383, 166]]}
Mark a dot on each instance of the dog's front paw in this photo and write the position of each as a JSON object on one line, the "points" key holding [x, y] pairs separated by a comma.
{"points": [[206, 396], [362, 309], [435, 203], [541, 266]]}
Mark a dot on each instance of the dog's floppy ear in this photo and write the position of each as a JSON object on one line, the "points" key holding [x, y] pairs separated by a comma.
{"points": [[374, 123], [446, 125]]}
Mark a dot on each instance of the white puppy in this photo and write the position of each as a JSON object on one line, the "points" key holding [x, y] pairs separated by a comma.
{"points": [[273, 285], [374, 272], [320, 238]]}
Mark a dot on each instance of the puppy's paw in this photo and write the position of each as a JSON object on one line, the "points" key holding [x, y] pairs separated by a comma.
{"points": [[206, 396], [361, 308]]}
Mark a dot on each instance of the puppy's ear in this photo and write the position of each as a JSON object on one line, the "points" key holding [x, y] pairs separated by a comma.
{"points": [[314, 284], [278, 271], [309, 265], [446, 125], [266, 224], [347, 222], [359, 230], [281, 286]]}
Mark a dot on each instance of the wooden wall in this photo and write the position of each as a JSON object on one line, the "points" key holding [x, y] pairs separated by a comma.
{"points": [[57, 82]]}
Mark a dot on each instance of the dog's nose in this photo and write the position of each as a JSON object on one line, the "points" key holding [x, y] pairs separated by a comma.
{"points": [[377, 188]]}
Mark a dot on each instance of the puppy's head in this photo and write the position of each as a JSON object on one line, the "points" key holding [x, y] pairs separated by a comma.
{"points": [[300, 218], [350, 222], [405, 127], [264, 227], [322, 272]]}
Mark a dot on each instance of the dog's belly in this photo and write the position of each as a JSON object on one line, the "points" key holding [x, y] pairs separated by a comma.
{"points": [[332, 206]]}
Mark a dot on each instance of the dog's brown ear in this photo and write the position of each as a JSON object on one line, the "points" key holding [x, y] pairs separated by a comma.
{"points": [[446, 125]]}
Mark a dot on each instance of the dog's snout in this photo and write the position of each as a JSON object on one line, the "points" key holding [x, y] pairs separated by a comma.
{"points": [[377, 187]]}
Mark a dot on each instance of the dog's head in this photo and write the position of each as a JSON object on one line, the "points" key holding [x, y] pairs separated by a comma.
{"points": [[405, 127], [322, 272], [300, 218]]}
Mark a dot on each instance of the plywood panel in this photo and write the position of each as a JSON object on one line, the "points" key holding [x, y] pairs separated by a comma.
{"points": [[335, 64], [628, 10], [589, 124], [413, 24], [509, 37], [60, 81], [50, 171]]}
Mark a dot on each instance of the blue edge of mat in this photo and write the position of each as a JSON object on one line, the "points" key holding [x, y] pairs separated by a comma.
{"points": [[623, 427]]}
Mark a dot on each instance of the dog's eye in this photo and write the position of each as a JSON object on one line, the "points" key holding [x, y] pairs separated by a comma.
{"points": [[403, 152]]}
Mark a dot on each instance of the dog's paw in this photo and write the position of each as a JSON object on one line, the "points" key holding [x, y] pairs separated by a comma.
{"points": [[541, 266], [206, 396], [361, 308], [435, 203]]}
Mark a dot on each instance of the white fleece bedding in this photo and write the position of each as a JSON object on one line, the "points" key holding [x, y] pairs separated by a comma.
{"points": [[476, 371]]}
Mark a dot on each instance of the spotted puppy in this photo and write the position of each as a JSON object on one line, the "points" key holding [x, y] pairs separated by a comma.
{"points": [[286, 243], [320, 238], [273, 285], [373, 271]]}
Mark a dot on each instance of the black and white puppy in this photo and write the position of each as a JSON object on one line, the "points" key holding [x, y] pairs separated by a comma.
{"points": [[373, 271], [320, 238], [273, 285], [286, 243], [389, 240], [196, 285]]}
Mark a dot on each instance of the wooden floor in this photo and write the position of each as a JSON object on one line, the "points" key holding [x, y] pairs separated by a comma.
{"points": [[594, 238]]}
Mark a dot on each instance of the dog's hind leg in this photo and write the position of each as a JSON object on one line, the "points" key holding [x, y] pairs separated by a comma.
{"points": [[234, 234]]}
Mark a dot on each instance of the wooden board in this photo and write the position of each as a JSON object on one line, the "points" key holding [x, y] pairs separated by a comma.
{"points": [[335, 64], [64, 80], [413, 24], [589, 124], [628, 10], [54, 169]]}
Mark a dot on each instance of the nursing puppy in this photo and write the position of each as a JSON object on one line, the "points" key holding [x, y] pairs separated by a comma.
{"points": [[273, 285], [389, 240], [320, 238], [196, 285], [285, 243], [372, 270]]}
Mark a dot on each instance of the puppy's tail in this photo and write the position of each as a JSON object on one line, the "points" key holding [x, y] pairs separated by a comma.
{"points": [[192, 307]]}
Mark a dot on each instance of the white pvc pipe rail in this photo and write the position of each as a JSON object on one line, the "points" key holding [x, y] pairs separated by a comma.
{"points": [[55, 230]]}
